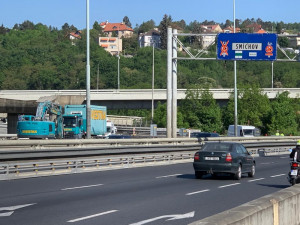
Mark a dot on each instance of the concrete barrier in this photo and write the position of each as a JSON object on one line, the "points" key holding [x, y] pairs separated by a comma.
{"points": [[280, 208]]}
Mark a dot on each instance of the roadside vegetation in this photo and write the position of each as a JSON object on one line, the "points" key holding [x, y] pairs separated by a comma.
{"points": [[38, 57]]}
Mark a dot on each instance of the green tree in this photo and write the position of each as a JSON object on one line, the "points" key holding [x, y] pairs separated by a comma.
{"points": [[146, 26], [283, 117], [126, 21], [254, 107], [160, 115], [97, 27], [283, 42], [163, 26], [201, 111]]}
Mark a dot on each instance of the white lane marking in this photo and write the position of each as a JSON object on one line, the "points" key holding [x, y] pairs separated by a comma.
{"points": [[173, 175], [88, 186], [91, 216], [172, 217], [197, 192], [12, 208], [229, 185], [278, 175], [6, 214], [256, 179]]}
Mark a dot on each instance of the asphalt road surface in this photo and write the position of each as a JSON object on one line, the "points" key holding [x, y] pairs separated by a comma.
{"points": [[150, 195]]}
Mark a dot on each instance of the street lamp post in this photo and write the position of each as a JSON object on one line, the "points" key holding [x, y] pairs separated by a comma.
{"points": [[88, 101], [118, 60], [152, 109]]}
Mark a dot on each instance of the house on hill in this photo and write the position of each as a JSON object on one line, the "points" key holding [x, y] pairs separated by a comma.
{"points": [[73, 36], [117, 29], [150, 38], [211, 28], [255, 28], [230, 30], [115, 32]]}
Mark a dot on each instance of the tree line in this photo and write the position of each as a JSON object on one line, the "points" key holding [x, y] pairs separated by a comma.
{"points": [[38, 57]]}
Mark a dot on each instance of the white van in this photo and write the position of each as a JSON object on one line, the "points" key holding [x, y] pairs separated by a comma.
{"points": [[243, 131]]}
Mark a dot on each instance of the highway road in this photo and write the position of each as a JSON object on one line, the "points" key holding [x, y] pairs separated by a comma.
{"points": [[149, 195]]}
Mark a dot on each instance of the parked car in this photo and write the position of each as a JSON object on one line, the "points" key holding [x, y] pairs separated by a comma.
{"points": [[223, 157], [204, 134]]}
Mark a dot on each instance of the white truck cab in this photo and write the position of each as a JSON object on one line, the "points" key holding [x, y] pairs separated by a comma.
{"points": [[243, 131]]}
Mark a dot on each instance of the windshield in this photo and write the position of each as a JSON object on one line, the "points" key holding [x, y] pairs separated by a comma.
{"points": [[70, 122], [213, 147], [248, 132]]}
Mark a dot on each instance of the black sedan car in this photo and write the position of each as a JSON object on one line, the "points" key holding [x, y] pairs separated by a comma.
{"points": [[223, 157]]}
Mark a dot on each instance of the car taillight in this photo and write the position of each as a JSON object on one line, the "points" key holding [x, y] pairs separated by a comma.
{"points": [[196, 156], [228, 158], [295, 164]]}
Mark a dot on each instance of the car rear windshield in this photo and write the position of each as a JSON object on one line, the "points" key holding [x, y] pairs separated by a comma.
{"points": [[213, 147]]}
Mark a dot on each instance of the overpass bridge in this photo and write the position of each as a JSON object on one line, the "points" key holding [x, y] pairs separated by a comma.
{"points": [[11, 100], [14, 102]]}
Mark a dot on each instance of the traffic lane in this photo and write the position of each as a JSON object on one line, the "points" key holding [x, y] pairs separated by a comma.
{"points": [[47, 184], [11, 188], [138, 193]]}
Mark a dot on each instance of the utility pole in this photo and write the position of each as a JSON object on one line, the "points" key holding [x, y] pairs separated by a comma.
{"points": [[88, 100], [152, 108]]}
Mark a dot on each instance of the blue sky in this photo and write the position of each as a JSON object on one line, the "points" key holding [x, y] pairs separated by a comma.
{"points": [[58, 12]]}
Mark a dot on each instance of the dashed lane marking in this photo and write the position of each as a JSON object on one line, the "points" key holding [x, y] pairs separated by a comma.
{"points": [[173, 175], [278, 175], [197, 192], [229, 185], [256, 179], [91, 216], [88, 186]]}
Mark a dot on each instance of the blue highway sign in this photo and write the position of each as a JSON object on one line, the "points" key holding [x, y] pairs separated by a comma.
{"points": [[242, 46]]}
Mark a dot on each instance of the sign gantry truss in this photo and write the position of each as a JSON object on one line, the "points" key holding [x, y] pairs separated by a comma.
{"points": [[172, 48]]}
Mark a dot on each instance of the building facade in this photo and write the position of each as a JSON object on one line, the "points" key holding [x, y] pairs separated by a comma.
{"points": [[150, 38], [113, 45]]}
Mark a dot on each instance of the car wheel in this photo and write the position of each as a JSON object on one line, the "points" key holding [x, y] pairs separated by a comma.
{"points": [[251, 174], [198, 174], [238, 174]]}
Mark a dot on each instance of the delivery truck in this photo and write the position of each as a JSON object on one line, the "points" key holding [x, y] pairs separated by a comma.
{"points": [[74, 121]]}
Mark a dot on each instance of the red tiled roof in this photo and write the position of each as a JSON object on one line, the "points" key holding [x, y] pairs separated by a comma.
{"points": [[261, 31], [116, 27], [237, 30], [256, 27], [104, 45], [75, 35]]}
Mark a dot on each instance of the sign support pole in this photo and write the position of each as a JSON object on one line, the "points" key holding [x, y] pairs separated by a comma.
{"points": [[235, 81], [174, 84]]}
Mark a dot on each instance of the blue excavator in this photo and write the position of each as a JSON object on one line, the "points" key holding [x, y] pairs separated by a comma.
{"points": [[47, 123]]}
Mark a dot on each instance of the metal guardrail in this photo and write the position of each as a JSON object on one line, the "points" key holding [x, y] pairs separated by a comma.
{"points": [[15, 170], [108, 154], [25, 149]]}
